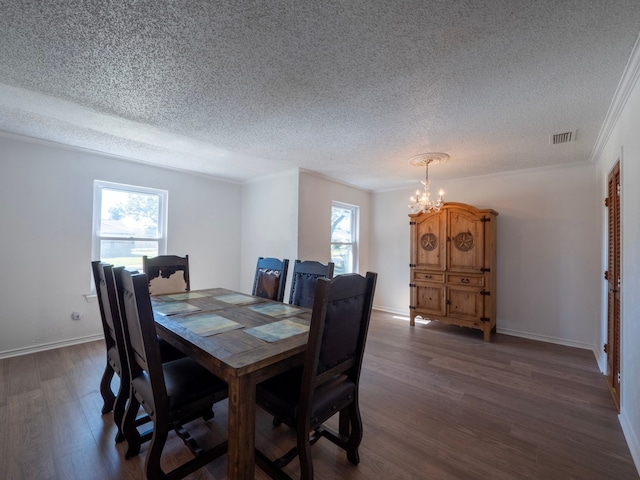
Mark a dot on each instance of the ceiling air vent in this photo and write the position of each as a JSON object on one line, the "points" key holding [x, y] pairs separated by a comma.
{"points": [[565, 137]]}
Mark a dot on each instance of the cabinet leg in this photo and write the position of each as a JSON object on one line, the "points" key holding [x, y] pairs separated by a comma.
{"points": [[487, 334], [412, 321]]}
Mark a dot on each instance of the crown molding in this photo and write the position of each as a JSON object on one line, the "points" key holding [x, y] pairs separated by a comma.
{"points": [[625, 87]]}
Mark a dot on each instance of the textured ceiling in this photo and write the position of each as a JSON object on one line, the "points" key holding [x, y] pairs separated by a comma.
{"points": [[350, 89]]}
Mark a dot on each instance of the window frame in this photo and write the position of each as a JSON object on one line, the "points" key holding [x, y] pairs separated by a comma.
{"points": [[355, 234], [96, 238]]}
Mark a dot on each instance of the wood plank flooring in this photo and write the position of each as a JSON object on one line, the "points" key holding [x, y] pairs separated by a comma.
{"points": [[437, 403]]}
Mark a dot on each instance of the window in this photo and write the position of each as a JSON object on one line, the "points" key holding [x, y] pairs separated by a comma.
{"points": [[128, 222], [344, 237]]}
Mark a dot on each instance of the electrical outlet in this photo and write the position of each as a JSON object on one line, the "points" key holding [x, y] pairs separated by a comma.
{"points": [[76, 315]]}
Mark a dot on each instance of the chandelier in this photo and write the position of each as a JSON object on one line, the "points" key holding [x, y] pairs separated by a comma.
{"points": [[422, 202]]}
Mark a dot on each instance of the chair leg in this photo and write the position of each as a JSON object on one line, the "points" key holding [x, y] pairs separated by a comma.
{"points": [[208, 415], [152, 463], [105, 389], [119, 410], [129, 428], [304, 454], [356, 433]]}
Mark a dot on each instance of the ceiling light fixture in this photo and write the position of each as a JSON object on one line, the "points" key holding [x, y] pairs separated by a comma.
{"points": [[422, 202]]}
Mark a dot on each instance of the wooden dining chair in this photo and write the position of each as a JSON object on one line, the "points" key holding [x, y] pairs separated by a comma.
{"points": [[305, 397], [117, 361], [114, 347], [304, 279], [167, 273], [270, 278], [172, 393], [107, 288]]}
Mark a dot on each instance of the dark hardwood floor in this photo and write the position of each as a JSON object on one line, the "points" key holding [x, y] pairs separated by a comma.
{"points": [[437, 403]]}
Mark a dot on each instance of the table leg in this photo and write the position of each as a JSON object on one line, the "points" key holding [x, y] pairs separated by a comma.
{"points": [[242, 429]]}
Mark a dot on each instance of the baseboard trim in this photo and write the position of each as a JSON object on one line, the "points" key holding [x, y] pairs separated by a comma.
{"points": [[630, 436], [49, 346], [506, 331], [545, 338]]}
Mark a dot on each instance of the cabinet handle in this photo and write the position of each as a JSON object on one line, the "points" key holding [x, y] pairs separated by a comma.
{"points": [[427, 276], [465, 280]]}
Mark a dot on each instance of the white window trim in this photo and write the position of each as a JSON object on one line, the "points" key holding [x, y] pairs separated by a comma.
{"points": [[355, 230], [99, 185]]}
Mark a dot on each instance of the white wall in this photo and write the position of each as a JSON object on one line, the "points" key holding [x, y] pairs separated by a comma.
{"points": [[269, 222], [46, 195], [314, 232], [548, 249], [46, 209], [624, 143]]}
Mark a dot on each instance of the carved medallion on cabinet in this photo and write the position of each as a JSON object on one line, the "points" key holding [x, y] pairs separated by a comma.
{"points": [[463, 241], [429, 241]]}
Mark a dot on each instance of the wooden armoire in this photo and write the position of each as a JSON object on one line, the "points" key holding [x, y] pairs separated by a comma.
{"points": [[453, 266]]}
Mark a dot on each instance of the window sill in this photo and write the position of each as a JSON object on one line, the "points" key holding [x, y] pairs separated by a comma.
{"points": [[91, 297]]}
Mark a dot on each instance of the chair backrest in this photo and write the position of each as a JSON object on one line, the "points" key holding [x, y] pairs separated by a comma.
{"points": [[141, 340], [270, 278], [338, 331], [304, 279], [167, 273], [110, 307], [109, 337]]}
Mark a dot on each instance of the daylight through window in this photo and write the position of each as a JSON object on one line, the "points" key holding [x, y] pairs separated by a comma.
{"points": [[128, 222], [344, 237]]}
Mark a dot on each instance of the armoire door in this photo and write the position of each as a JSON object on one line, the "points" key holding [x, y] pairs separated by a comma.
{"points": [[465, 303], [430, 250], [466, 242]]}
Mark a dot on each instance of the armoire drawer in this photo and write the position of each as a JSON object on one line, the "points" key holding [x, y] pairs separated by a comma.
{"points": [[423, 276], [462, 279]]}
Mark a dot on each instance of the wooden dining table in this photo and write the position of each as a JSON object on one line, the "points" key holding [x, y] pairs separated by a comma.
{"points": [[243, 340]]}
